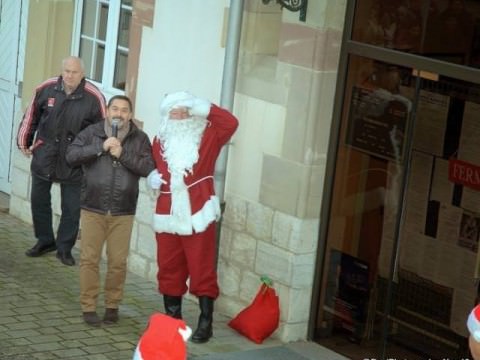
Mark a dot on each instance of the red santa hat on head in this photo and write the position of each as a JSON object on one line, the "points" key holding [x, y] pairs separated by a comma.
{"points": [[164, 339], [473, 323]]}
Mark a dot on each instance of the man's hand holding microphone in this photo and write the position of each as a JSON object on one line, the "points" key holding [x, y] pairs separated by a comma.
{"points": [[112, 144]]}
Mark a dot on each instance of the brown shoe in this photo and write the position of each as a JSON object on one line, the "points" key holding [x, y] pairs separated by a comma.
{"points": [[111, 316], [91, 318]]}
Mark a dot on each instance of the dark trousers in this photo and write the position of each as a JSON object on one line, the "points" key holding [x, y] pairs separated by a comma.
{"points": [[42, 213]]}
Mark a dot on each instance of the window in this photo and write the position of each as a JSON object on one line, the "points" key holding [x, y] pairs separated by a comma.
{"points": [[101, 39]]}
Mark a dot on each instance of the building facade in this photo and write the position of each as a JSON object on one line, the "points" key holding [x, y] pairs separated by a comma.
{"points": [[352, 179], [287, 69]]}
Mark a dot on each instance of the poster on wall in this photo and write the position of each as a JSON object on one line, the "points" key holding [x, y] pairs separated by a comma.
{"points": [[431, 122], [347, 297], [469, 231], [377, 122], [468, 149]]}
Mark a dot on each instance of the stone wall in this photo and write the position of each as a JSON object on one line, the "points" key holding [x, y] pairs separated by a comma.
{"points": [[285, 95], [257, 240]]}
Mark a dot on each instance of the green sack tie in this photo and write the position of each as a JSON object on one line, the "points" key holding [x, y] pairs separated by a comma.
{"points": [[266, 281]]}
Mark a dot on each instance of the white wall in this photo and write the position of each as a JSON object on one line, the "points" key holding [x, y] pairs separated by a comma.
{"points": [[182, 51]]}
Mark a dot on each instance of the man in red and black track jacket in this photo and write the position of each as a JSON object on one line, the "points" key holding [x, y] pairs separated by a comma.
{"points": [[60, 108]]}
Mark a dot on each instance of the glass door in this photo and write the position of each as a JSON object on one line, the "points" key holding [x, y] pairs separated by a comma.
{"points": [[432, 286], [399, 259], [398, 277], [367, 197]]}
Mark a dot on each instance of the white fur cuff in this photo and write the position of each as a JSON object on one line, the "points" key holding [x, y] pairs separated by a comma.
{"points": [[198, 222]]}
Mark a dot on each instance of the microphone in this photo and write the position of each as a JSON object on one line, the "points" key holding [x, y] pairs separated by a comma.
{"points": [[115, 123]]}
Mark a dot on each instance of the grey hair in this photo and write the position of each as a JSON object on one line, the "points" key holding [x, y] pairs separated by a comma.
{"points": [[80, 61]]}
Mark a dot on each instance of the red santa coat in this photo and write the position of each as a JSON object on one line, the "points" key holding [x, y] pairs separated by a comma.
{"points": [[205, 205]]}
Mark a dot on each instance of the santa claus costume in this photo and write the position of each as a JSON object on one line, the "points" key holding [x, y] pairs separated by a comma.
{"points": [[185, 151]]}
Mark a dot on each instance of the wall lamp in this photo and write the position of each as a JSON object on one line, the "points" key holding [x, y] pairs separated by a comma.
{"points": [[293, 5]]}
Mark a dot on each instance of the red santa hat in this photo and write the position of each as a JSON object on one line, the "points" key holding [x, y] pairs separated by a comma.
{"points": [[164, 339], [473, 323]]}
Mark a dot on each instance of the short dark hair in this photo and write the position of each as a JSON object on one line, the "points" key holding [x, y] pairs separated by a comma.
{"points": [[121, 97]]}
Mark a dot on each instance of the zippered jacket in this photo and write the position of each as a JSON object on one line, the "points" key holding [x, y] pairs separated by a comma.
{"points": [[110, 185], [51, 122]]}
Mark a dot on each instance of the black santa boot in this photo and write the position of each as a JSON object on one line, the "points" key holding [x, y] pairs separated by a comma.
{"points": [[204, 329], [173, 306]]}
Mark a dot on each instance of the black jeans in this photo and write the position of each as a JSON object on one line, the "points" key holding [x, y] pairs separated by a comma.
{"points": [[42, 213]]}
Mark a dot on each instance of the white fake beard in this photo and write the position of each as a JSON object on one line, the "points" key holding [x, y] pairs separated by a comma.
{"points": [[180, 142]]}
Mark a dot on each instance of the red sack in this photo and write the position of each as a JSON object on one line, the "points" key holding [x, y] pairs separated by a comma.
{"points": [[260, 319]]}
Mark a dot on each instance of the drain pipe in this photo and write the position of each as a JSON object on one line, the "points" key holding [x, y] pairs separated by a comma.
{"points": [[232, 46], [228, 85]]}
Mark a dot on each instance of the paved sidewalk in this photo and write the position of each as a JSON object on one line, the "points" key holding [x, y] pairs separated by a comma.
{"points": [[40, 315]]}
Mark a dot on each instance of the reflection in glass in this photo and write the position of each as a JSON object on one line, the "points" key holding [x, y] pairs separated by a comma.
{"points": [[88, 18], [447, 30], [103, 20], [124, 27], [120, 70], [93, 58], [404, 225], [121, 58], [94, 25], [99, 60], [379, 111], [86, 53], [365, 201]]}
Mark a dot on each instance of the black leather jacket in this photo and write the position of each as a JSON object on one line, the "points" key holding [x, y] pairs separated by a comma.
{"points": [[111, 185], [56, 118]]}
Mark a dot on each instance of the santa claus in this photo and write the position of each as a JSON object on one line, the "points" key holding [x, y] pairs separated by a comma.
{"points": [[191, 134]]}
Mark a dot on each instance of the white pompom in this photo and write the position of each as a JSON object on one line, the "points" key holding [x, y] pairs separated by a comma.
{"points": [[186, 333]]}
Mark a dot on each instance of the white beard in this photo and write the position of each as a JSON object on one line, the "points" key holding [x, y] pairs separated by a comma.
{"points": [[180, 141]]}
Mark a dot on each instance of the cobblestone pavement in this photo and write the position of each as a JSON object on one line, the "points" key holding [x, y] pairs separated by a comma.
{"points": [[40, 315]]}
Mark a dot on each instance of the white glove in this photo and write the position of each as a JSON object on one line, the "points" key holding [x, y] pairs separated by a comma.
{"points": [[196, 106], [200, 107], [154, 180]]}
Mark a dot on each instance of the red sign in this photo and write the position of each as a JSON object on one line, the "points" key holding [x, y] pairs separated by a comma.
{"points": [[464, 173]]}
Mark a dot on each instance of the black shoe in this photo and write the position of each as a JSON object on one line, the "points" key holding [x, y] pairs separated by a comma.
{"points": [[91, 318], [111, 316], [39, 249], [173, 306], [66, 258], [204, 332]]}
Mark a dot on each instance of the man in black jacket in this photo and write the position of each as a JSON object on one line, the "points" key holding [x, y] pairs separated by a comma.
{"points": [[60, 108], [114, 154]]}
